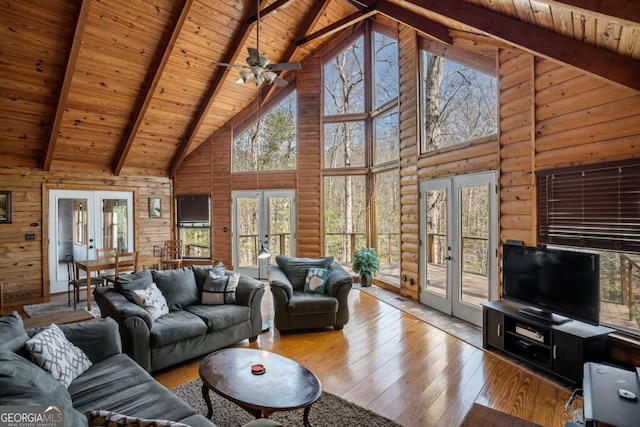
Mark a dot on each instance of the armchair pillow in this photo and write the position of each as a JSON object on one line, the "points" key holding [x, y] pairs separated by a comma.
{"points": [[296, 268], [55, 354], [316, 280], [152, 300], [178, 287]]}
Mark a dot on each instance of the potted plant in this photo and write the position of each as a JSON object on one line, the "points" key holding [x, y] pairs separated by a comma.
{"points": [[366, 262]]}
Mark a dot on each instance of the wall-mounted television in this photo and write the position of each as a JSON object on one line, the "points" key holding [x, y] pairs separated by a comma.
{"points": [[554, 285]]}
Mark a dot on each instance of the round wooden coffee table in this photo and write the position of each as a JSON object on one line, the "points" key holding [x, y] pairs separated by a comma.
{"points": [[285, 384]]}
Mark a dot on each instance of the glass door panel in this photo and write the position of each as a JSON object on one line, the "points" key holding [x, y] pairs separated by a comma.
{"points": [[280, 222], [246, 233]]}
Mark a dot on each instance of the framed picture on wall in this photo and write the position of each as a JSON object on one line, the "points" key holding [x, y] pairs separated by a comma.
{"points": [[5, 207], [155, 207]]}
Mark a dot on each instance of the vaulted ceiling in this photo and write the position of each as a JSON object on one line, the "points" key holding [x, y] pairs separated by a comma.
{"points": [[131, 86]]}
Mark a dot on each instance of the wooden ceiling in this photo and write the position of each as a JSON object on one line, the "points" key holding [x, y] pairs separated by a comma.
{"points": [[128, 87]]}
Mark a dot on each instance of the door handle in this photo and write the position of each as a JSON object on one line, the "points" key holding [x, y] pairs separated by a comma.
{"points": [[448, 258], [555, 352], [499, 331], [90, 247]]}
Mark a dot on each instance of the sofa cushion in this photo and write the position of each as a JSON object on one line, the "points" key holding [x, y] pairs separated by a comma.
{"points": [[307, 303], [15, 393], [126, 283], [12, 334], [152, 300], [16, 367], [178, 286], [176, 326], [120, 385], [53, 352], [316, 280], [296, 268], [218, 317], [113, 419]]}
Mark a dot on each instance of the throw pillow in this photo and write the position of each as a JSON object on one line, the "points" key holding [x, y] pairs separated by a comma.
{"points": [[12, 334], [178, 287], [296, 268], [220, 289], [127, 283], [317, 279], [152, 300], [51, 350], [202, 272], [112, 419]]}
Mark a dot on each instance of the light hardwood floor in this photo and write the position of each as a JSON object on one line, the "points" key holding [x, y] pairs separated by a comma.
{"points": [[405, 369]]}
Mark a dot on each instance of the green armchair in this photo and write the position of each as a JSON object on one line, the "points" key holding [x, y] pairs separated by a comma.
{"points": [[295, 309]]}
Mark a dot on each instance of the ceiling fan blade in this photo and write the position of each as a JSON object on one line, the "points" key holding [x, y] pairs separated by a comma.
{"points": [[280, 82], [224, 64], [285, 66], [254, 57]]}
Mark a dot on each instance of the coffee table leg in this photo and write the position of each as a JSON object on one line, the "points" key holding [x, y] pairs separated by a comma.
{"points": [[207, 399], [306, 416]]}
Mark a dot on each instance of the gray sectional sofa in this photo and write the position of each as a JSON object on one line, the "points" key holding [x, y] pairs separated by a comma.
{"points": [[114, 382], [190, 329]]}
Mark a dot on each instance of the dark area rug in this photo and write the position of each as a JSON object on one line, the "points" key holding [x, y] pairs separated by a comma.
{"points": [[330, 410], [480, 415]]}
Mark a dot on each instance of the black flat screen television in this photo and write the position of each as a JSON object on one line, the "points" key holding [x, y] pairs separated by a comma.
{"points": [[553, 283]]}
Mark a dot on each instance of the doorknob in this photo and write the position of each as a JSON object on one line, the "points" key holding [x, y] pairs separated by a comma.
{"points": [[448, 258]]}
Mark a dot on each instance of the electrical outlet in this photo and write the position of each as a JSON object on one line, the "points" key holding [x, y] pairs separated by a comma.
{"points": [[30, 236]]}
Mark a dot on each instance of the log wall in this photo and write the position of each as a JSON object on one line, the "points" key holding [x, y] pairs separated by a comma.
{"points": [[24, 265]]}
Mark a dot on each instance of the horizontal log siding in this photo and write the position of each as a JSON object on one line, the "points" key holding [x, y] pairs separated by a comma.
{"points": [[24, 265], [409, 146], [515, 91]]}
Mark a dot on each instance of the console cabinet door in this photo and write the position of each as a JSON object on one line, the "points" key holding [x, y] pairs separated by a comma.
{"points": [[493, 329], [566, 356]]}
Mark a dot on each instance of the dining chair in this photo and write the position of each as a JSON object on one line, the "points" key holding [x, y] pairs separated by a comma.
{"points": [[74, 284], [126, 263], [102, 253], [172, 254]]}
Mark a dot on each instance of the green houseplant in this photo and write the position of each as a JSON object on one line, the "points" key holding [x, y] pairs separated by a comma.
{"points": [[366, 262]]}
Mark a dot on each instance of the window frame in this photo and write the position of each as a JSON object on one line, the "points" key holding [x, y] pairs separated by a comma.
{"points": [[194, 223]]}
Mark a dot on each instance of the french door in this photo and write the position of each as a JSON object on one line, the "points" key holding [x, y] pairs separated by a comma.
{"points": [[262, 219], [80, 222], [458, 223]]}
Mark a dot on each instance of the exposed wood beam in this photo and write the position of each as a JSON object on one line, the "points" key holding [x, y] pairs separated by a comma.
{"points": [[345, 22], [624, 10], [267, 10], [241, 36], [539, 41], [309, 22], [141, 107], [65, 85], [426, 26]]}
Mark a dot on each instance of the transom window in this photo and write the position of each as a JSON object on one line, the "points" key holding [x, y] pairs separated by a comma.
{"points": [[458, 103]]}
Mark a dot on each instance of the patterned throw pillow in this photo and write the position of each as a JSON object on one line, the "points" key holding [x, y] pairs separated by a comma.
{"points": [[152, 300], [51, 350], [112, 419], [220, 289], [316, 280]]}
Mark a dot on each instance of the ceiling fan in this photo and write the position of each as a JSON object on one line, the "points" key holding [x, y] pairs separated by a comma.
{"points": [[259, 69]]}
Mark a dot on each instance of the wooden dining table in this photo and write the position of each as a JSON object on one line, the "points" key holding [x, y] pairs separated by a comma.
{"points": [[109, 263]]}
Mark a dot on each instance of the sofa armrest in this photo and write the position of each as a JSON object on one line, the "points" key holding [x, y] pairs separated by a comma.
{"points": [[279, 282], [114, 304], [247, 289], [134, 321], [338, 277], [98, 339]]}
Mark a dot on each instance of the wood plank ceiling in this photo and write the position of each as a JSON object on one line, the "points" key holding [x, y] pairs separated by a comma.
{"points": [[127, 87]]}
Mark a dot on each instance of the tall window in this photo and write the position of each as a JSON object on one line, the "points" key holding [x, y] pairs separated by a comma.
{"points": [[458, 103], [270, 143], [361, 146], [595, 208], [194, 225]]}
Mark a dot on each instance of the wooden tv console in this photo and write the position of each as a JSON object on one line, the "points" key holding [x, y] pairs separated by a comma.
{"points": [[561, 349]]}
